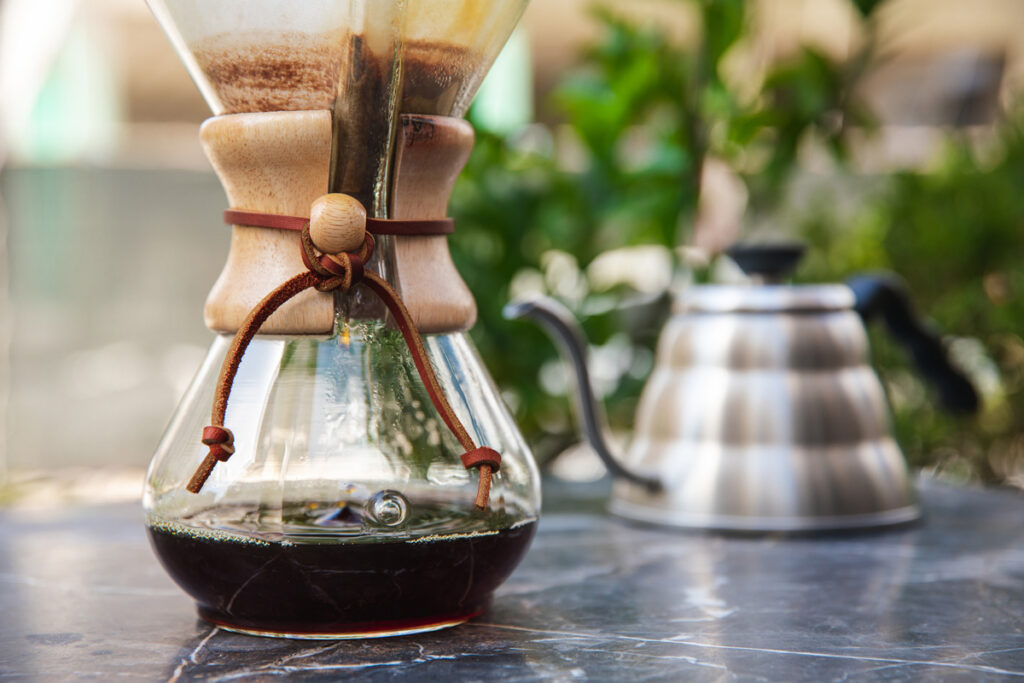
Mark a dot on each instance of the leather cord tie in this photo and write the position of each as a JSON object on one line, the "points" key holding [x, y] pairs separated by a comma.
{"points": [[328, 272], [376, 226]]}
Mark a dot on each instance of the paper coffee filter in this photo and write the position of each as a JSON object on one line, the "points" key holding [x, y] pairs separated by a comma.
{"points": [[272, 55], [198, 19], [459, 39], [280, 55]]}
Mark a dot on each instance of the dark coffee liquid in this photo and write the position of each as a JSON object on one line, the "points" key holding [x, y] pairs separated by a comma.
{"points": [[367, 583]]}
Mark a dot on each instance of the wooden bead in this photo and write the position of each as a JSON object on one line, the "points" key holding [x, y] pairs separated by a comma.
{"points": [[337, 223]]}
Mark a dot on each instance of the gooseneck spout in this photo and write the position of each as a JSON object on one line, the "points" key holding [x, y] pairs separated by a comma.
{"points": [[558, 322]]}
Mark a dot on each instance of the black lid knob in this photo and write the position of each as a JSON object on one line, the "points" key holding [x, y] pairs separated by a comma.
{"points": [[773, 262]]}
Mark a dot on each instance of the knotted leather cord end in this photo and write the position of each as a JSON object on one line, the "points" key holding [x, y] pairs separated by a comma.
{"points": [[483, 487], [403, 320], [229, 368], [488, 461], [328, 272], [220, 440], [222, 446], [482, 456]]}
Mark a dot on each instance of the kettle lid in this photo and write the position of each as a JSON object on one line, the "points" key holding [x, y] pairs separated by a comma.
{"points": [[771, 262], [766, 299], [767, 265]]}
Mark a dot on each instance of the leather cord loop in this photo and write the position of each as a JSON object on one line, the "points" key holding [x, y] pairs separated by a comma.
{"points": [[376, 226], [327, 272], [482, 456], [215, 434], [252, 219], [220, 440]]}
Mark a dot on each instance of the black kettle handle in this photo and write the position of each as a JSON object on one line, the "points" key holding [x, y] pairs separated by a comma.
{"points": [[886, 297]]}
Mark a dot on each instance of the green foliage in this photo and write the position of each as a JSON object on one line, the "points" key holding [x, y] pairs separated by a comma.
{"points": [[724, 21], [516, 204], [867, 7], [643, 114], [806, 93], [956, 234], [630, 192]]}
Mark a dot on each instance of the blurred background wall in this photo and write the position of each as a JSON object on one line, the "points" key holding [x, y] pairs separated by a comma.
{"points": [[110, 213], [96, 82]]}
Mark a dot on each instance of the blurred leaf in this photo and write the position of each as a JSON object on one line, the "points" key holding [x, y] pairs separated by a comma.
{"points": [[724, 21], [867, 7]]}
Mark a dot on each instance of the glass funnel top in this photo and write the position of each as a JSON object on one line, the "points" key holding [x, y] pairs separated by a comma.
{"points": [[449, 47], [282, 55], [259, 55]]}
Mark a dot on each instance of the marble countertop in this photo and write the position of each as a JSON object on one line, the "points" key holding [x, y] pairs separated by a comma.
{"points": [[82, 596]]}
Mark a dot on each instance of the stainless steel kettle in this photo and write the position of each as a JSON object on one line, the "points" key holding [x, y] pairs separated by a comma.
{"points": [[762, 412]]}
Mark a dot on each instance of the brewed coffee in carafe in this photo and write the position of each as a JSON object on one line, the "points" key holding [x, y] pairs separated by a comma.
{"points": [[342, 491]]}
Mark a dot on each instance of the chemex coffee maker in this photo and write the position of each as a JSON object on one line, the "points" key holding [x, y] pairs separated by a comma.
{"points": [[342, 464], [762, 413]]}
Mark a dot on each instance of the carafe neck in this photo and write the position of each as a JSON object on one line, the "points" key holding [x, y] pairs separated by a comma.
{"points": [[278, 162]]}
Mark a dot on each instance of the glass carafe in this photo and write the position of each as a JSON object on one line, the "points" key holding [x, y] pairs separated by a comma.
{"points": [[345, 510]]}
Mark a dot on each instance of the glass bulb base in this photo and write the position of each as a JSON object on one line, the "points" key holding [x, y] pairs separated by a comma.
{"points": [[344, 631], [345, 511], [327, 587]]}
